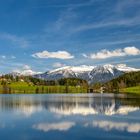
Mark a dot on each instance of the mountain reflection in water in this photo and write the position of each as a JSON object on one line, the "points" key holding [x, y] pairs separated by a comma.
{"points": [[64, 105], [38, 116]]}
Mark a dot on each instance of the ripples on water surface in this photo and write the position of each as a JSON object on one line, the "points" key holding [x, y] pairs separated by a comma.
{"points": [[69, 117]]}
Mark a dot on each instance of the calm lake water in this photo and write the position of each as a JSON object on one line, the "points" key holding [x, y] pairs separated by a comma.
{"points": [[69, 117]]}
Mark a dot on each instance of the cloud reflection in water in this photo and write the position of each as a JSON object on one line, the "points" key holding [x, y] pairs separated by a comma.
{"points": [[121, 126], [60, 126]]}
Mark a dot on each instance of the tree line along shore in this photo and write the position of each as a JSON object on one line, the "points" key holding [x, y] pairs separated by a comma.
{"points": [[127, 83]]}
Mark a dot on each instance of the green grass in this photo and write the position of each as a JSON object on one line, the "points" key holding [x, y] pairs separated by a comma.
{"points": [[23, 87], [135, 90]]}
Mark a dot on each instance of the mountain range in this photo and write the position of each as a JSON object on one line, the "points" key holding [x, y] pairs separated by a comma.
{"points": [[92, 74]]}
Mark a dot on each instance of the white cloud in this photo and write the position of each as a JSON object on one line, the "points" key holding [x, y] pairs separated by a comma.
{"points": [[131, 50], [61, 126], [58, 65], [121, 126], [58, 55], [104, 54], [26, 70]]}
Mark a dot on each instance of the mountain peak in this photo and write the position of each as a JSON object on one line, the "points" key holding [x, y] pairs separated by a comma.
{"points": [[82, 68], [92, 74]]}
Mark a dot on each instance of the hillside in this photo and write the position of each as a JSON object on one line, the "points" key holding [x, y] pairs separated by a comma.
{"points": [[130, 90], [124, 83]]}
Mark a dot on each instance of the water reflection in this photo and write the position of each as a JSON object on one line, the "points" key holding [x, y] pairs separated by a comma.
{"points": [[106, 106], [121, 126], [47, 116], [25, 105], [66, 105], [60, 126]]}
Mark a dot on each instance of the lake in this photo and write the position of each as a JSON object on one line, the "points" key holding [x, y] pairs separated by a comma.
{"points": [[69, 117]]}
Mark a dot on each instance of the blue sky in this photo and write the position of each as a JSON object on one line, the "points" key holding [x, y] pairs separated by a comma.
{"points": [[45, 34]]}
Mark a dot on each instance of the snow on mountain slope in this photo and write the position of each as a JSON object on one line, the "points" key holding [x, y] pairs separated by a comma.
{"points": [[92, 74], [104, 73], [67, 72], [76, 69]]}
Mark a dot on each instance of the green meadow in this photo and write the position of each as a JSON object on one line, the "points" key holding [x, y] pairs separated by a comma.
{"points": [[135, 90], [23, 87]]}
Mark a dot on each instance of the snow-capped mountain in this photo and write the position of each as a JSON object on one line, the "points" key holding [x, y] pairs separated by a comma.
{"points": [[76, 69], [104, 73], [67, 72], [92, 74]]}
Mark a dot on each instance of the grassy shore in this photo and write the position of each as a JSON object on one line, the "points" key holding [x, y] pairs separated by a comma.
{"points": [[135, 90], [23, 87]]}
